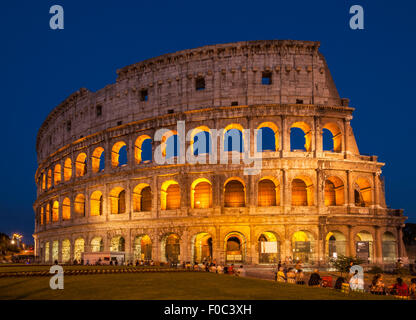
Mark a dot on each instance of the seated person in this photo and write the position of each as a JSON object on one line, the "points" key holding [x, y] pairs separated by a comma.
{"points": [[315, 279]]}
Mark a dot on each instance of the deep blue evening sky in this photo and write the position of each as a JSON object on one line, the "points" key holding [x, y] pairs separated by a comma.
{"points": [[40, 67]]}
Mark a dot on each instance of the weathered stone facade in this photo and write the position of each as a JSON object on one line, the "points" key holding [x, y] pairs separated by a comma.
{"points": [[324, 201]]}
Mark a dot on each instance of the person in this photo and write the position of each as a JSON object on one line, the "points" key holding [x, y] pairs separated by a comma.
{"points": [[357, 282], [213, 268], [400, 289], [339, 282], [291, 276], [349, 267], [231, 269], [219, 269], [281, 277], [225, 270], [377, 285], [241, 272], [412, 289], [314, 279], [300, 277]]}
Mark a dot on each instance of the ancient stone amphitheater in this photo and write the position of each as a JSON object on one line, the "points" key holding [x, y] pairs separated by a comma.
{"points": [[101, 190]]}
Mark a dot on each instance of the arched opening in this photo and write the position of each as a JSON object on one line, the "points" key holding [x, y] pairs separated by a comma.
{"points": [[300, 137], [171, 248], [43, 181], [119, 154], [269, 248], [233, 140], [79, 205], [234, 194], [267, 137], [362, 193], [98, 160], [57, 177], [303, 247], [235, 246], [67, 169], [55, 251], [55, 211], [364, 246], [202, 247], [79, 248], [48, 213], [66, 209], [118, 244], [142, 248], [201, 141], [172, 146], [389, 248], [49, 179], [334, 192], [268, 194], [143, 149], [117, 200], [302, 192], [42, 215], [47, 251], [66, 250], [201, 194], [81, 165], [336, 244], [97, 244], [331, 138], [170, 196], [96, 203], [142, 198]]}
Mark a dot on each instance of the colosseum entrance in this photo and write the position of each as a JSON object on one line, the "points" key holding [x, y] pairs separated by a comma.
{"points": [[142, 248], [269, 248], [235, 248], [336, 244], [171, 248], [303, 247], [202, 247]]}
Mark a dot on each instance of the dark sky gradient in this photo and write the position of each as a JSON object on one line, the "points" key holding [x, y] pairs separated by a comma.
{"points": [[40, 67]]}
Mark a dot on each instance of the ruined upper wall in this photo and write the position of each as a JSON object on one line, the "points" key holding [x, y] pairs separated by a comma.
{"points": [[232, 74]]}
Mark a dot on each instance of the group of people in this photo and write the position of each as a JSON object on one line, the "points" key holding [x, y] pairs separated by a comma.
{"points": [[353, 282], [215, 268]]}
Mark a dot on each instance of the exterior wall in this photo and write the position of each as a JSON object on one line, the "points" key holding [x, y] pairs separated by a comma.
{"points": [[232, 72]]}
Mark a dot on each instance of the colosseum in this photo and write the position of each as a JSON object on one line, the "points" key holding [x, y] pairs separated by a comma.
{"points": [[304, 193]]}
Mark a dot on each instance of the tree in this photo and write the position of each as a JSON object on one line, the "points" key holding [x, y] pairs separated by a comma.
{"points": [[343, 263]]}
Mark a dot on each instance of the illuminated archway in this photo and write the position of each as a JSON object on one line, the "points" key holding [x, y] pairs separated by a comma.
{"points": [[302, 191], [201, 247], [336, 244], [66, 209], [336, 144], [303, 246], [119, 154], [117, 199], [364, 246], [79, 248], [306, 129], [234, 193], [235, 247], [270, 137], [170, 144], [66, 250], [57, 176], [143, 149], [389, 247], [170, 248], [79, 205], [334, 192], [43, 181], [81, 165], [96, 203], [142, 248], [98, 160], [233, 138], [55, 251], [48, 213], [268, 193], [170, 196], [142, 198], [67, 169], [97, 244], [118, 244], [362, 193], [201, 140], [49, 179], [47, 253], [269, 248], [55, 211], [201, 194]]}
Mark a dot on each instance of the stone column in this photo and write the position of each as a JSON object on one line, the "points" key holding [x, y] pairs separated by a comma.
{"points": [[351, 242], [285, 135], [378, 252], [318, 137]]}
